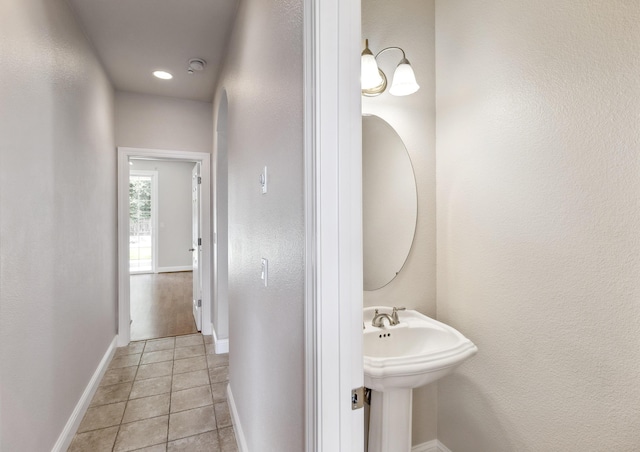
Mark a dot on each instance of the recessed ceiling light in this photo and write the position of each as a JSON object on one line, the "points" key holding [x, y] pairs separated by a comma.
{"points": [[163, 75]]}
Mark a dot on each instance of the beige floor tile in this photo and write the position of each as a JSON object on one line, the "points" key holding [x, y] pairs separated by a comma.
{"points": [[227, 440], [181, 366], [157, 356], [111, 394], [219, 374], [190, 380], [157, 448], [94, 441], [134, 408], [154, 370], [131, 349], [119, 375], [189, 352], [217, 360], [141, 434], [146, 407], [151, 386], [189, 340], [223, 416], [125, 361], [166, 343], [191, 422], [219, 392], [191, 398], [204, 442], [102, 416]]}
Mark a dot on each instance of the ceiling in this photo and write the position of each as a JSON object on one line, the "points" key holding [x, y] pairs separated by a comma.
{"points": [[133, 38]]}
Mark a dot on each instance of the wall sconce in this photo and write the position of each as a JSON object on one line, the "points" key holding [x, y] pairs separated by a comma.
{"points": [[374, 81]]}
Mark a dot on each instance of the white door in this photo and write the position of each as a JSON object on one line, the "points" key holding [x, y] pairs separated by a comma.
{"points": [[196, 245]]}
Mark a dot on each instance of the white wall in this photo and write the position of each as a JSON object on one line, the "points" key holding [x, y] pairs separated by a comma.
{"points": [[263, 79], [57, 220], [174, 211], [156, 122], [410, 25], [538, 164]]}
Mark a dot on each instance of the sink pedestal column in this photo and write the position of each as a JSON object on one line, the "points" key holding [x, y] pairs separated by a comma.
{"points": [[390, 421]]}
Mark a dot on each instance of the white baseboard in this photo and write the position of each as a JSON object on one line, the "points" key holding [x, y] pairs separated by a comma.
{"points": [[220, 345], [65, 438], [184, 268], [237, 428], [430, 446]]}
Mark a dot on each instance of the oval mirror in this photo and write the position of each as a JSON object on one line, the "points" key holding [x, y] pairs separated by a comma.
{"points": [[389, 204]]}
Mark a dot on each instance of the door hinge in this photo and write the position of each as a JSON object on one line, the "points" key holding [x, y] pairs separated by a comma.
{"points": [[358, 397], [199, 303], [199, 241], [199, 180]]}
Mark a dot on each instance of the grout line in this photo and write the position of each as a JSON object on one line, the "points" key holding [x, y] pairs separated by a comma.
{"points": [[150, 445], [115, 440], [173, 366], [145, 419], [170, 393]]}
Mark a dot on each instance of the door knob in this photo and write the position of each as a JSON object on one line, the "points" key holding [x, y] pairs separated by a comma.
{"points": [[192, 249]]}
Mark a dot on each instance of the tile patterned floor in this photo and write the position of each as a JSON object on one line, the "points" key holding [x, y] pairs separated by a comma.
{"points": [[161, 395]]}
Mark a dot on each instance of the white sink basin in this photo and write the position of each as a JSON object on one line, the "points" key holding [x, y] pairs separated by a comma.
{"points": [[417, 351]]}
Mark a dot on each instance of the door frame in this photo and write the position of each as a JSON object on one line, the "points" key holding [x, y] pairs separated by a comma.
{"points": [[154, 216], [196, 220], [124, 292], [333, 224]]}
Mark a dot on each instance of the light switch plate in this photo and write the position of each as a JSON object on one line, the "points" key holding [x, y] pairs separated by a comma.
{"points": [[265, 272]]}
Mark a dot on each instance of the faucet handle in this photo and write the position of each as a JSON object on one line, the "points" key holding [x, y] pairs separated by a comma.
{"points": [[394, 314]]}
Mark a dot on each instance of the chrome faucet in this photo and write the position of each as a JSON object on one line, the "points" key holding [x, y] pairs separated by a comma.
{"points": [[378, 318]]}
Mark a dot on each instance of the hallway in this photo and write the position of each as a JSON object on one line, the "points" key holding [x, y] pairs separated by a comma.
{"points": [[161, 395]]}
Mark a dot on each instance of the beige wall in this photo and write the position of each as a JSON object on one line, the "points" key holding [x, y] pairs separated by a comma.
{"points": [[57, 220], [263, 78], [157, 122], [410, 25], [538, 163]]}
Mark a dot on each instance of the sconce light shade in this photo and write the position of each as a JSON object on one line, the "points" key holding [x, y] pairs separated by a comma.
{"points": [[374, 82], [369, 73], [404, 80]]}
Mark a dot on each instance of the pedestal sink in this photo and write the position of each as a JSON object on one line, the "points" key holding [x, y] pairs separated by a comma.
{"points": [[417, 351]]}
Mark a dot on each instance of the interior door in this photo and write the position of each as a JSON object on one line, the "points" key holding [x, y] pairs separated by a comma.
{"points": [[196, 245]]}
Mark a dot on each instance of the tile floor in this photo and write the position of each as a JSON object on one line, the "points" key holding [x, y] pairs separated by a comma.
{"points": [[161, 395]]}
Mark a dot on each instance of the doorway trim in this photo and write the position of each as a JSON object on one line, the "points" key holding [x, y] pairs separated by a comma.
{"points": [[333, 219], [124, 292]]}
